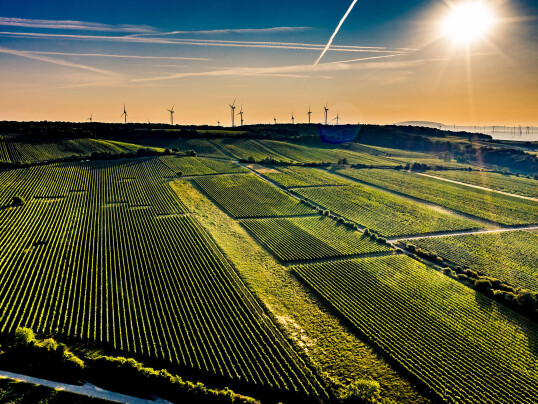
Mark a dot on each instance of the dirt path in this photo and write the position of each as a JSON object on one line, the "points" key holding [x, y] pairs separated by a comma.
{"points": [[464, 232], [88, 390], [478, 187]]}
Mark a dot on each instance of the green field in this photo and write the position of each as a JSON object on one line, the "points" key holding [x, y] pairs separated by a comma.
{"points": [[511, 257], [500, 182], [103, 253], [484, 204], [201, 166], [202, 147], [307, 238], [317, 154], [246, 148], [387, 214], [296, 176], [460, 344], [245, 196]]}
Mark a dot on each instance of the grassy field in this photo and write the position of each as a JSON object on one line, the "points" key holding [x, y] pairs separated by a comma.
{"points": [[387, 214], [307, 238], [511, 257], [316, 154], [103, 253], [500, 182], [484, 204], [296, 176], [246, 196], [462, 345], [247, 148], [201, 166], [304, 318]]}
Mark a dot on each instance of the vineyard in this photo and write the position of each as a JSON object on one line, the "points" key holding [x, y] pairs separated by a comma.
{"points": [[500, 182], [460, 344], [296, 176], [511, 257], [480, 203], [245, 149], [201, 146], [245, 195], [387, 214], [312, 154], [104, 253], [308, 238], [201, 166]]}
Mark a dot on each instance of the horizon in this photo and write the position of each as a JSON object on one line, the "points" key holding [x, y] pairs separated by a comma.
{"points": [[65, 62]]}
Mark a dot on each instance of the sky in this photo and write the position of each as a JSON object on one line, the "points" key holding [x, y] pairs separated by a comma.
{"points": [[390, 61]]}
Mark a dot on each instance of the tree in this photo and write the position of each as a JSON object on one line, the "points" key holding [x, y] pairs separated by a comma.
{"points": [[362, 391], [24, 336], [17, 201]]}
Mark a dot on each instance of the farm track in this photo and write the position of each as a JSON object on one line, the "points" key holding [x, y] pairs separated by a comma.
{"points": [[462, 233], [479, 187]]}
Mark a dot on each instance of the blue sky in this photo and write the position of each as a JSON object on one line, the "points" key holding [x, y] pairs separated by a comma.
{"points": [[385, 64]]}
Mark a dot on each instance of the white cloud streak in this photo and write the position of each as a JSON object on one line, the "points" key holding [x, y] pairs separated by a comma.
{"points": [[106, 55], [55, 61], [269, 30], [204, 42], [73, 25], [335, 32]]}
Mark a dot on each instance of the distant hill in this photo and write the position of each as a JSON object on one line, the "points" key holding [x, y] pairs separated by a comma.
{"points": [[426, 124]]}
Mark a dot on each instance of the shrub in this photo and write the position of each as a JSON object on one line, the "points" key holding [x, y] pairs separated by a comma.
{"points": [[482, 285], [17, 201], [362, 391], [24, 336]]}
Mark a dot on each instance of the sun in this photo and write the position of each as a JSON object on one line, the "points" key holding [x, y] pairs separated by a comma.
{"points": [[468, 21]]}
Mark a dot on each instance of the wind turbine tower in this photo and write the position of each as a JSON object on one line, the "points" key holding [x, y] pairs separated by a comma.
{"points": [[292, 119], [171, 110], [309, 112], [274, 120], [232, 107], [124, 113], [337, 119], [90, 118], [241, 113], [326, 110]]}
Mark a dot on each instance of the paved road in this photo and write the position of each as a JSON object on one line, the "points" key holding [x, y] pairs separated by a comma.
{"points": [[88, 390]]}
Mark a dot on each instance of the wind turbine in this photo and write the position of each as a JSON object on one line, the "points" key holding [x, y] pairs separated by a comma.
{"points": [[124, 113], [337, 119], [274, 119], [90, 118], [232, 106], [326, 110], [218, 122], [309, 112], [292, 119], [171, 110], [241, 113]]}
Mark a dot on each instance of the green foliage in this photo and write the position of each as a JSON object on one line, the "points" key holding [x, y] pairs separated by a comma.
{"points": [[484, 204], [17, 201], [387, 214], [24, 336], [298, 176], [248, 196], [362, 392], [433, 326], [309, 238]]}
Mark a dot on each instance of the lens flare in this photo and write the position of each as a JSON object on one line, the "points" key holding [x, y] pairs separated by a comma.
{"points": [[468, 22]]}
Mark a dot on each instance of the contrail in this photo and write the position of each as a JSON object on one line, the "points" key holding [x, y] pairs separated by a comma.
{"points": [[335, 32]]}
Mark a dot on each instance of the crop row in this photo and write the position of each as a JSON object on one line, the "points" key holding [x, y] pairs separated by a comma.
{"points": [[248, 196], [484, 204], [305, 238], [460, 344], [101, 253], [245, 149], [201, 166], [297, 176], [387, 214]]}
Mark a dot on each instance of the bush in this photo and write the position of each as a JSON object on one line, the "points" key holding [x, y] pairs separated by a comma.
{"points": [[482, 285], [24, 336], [362, 391], [17, 201]]}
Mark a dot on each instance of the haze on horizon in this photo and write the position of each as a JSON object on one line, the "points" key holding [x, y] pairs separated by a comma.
{"points": [[64, 61]]}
